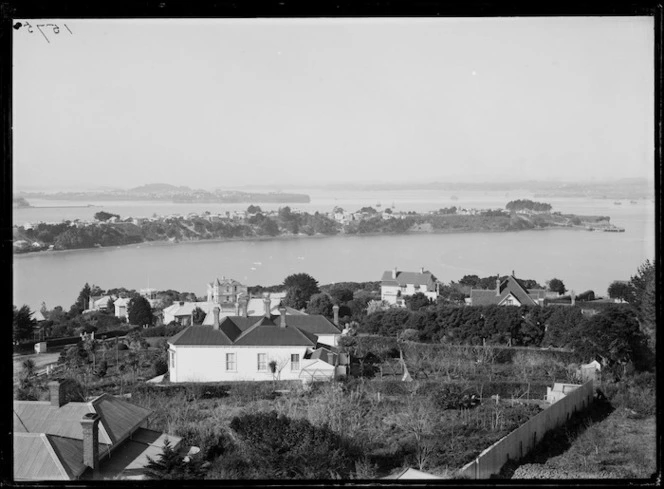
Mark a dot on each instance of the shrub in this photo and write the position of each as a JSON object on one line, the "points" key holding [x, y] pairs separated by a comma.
{"points": [[160, 366]]}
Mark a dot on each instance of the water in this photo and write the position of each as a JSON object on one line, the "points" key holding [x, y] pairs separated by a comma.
{"points": [[583, 260]]}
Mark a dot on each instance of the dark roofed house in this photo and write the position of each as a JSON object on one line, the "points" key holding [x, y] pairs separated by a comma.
{"points": [[254, 348], [105, 438], [509, 292], [396, 285]]}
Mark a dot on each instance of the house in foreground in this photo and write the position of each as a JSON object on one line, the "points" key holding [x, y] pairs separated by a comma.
{"points": [[396, 285], [509, 292], [244, 348], [105, 438]]}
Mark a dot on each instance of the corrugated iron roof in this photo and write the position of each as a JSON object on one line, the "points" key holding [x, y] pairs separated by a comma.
{"points": [[119, 417], [70, 453], [34, 459]]}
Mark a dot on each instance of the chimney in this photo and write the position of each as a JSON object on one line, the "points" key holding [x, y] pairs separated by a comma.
{"points": [[394, 272], [572, 296], [282, 321], [90, 426], [421, 269], [497, 285], [57, 394], [215, 311], [245, 306], [266, 304], [182, 303], [335, 308], [237, 307]]}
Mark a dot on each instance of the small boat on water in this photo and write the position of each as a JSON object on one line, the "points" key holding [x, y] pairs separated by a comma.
{"points": [[633, 202], [617, 203], [378, 204]]}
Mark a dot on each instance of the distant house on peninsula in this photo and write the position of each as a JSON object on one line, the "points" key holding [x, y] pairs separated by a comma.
{"points": [[243, 347], [509, 292], [396, 285]]}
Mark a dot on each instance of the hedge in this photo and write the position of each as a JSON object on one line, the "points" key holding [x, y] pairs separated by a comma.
{"points": [[244, 391]]}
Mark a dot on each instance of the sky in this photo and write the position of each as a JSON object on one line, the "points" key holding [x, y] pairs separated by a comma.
{"points": [[222, 103]]}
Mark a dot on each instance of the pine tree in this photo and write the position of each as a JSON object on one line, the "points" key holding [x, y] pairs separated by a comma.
{"points": [[23, 323], [170, 465]]}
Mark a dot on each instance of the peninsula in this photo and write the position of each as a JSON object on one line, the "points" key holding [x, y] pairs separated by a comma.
{"points": [[113, 230]]}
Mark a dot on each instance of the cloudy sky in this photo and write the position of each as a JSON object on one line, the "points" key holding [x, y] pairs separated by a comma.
{"points": [[224, 103]]}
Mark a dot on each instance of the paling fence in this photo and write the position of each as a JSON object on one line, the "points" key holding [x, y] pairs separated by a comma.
{"points": [[522, 440]]}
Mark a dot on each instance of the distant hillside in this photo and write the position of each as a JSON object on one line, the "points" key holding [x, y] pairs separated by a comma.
{"points": [[158, 188]]}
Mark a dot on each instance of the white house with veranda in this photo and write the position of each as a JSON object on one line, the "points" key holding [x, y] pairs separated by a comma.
{"points": [[396, 285], [243, 348]]}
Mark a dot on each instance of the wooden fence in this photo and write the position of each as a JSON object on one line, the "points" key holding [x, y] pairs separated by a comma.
{"points": [[522, 440]]}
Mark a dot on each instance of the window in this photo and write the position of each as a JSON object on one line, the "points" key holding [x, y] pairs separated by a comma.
{"points": [[172, 355], [262, 362], [230, 362], [295, 361]]}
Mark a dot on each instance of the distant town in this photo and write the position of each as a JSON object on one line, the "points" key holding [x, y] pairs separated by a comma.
{"points": [[108, 229]]}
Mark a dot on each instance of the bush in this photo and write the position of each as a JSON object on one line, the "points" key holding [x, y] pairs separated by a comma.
{"points": [[160, 366]]}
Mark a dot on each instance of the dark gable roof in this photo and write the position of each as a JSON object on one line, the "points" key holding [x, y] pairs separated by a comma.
{"points": [[508, 286], [264, 334], [300, 330], [201, 335], [405, 278]]}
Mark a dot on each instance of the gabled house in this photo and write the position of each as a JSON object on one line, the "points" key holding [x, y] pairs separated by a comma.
{"points": [[396, 285], [121, 307], [509, 292], [225, 291], [105, 438], [99, 302], [183, 312], [244, 347]]}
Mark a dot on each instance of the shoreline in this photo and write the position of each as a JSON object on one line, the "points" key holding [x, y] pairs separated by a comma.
{"points": [[287, 238]]}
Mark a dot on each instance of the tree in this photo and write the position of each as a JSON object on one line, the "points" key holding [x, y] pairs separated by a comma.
{"points": [[198, 315], [417, 301], [82, 301], [253, 209], [620, 290], [105, 216], [23, 323], [170, 465], [556, 285], [299, 289], [320, 304], [341, 294], [140, 311]]}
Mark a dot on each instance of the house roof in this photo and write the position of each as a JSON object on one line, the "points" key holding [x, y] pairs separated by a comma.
{"points": [[118, 418], [187, 308], [412, 474], [300, 330], [510, 285], [36, 458], [48, 440], [226, 281], [324, 355], [122, 301], [409, 278]]}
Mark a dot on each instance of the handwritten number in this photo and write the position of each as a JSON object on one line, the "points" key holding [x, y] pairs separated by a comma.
{"points": [[69, 29], [39, 26], [27, 24], [56, 29]]}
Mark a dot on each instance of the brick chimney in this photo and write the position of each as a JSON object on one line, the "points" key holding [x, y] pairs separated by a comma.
{"points": [[394, 273], [421, 269], [335, 309], [215, 312], [57, 394], [245, 306], [266, 306], [282, 320], [237, 307], [90, 426], [497, 285]]}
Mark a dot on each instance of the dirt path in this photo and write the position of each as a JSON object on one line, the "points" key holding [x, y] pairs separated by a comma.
{"points": [[41, 361]]}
